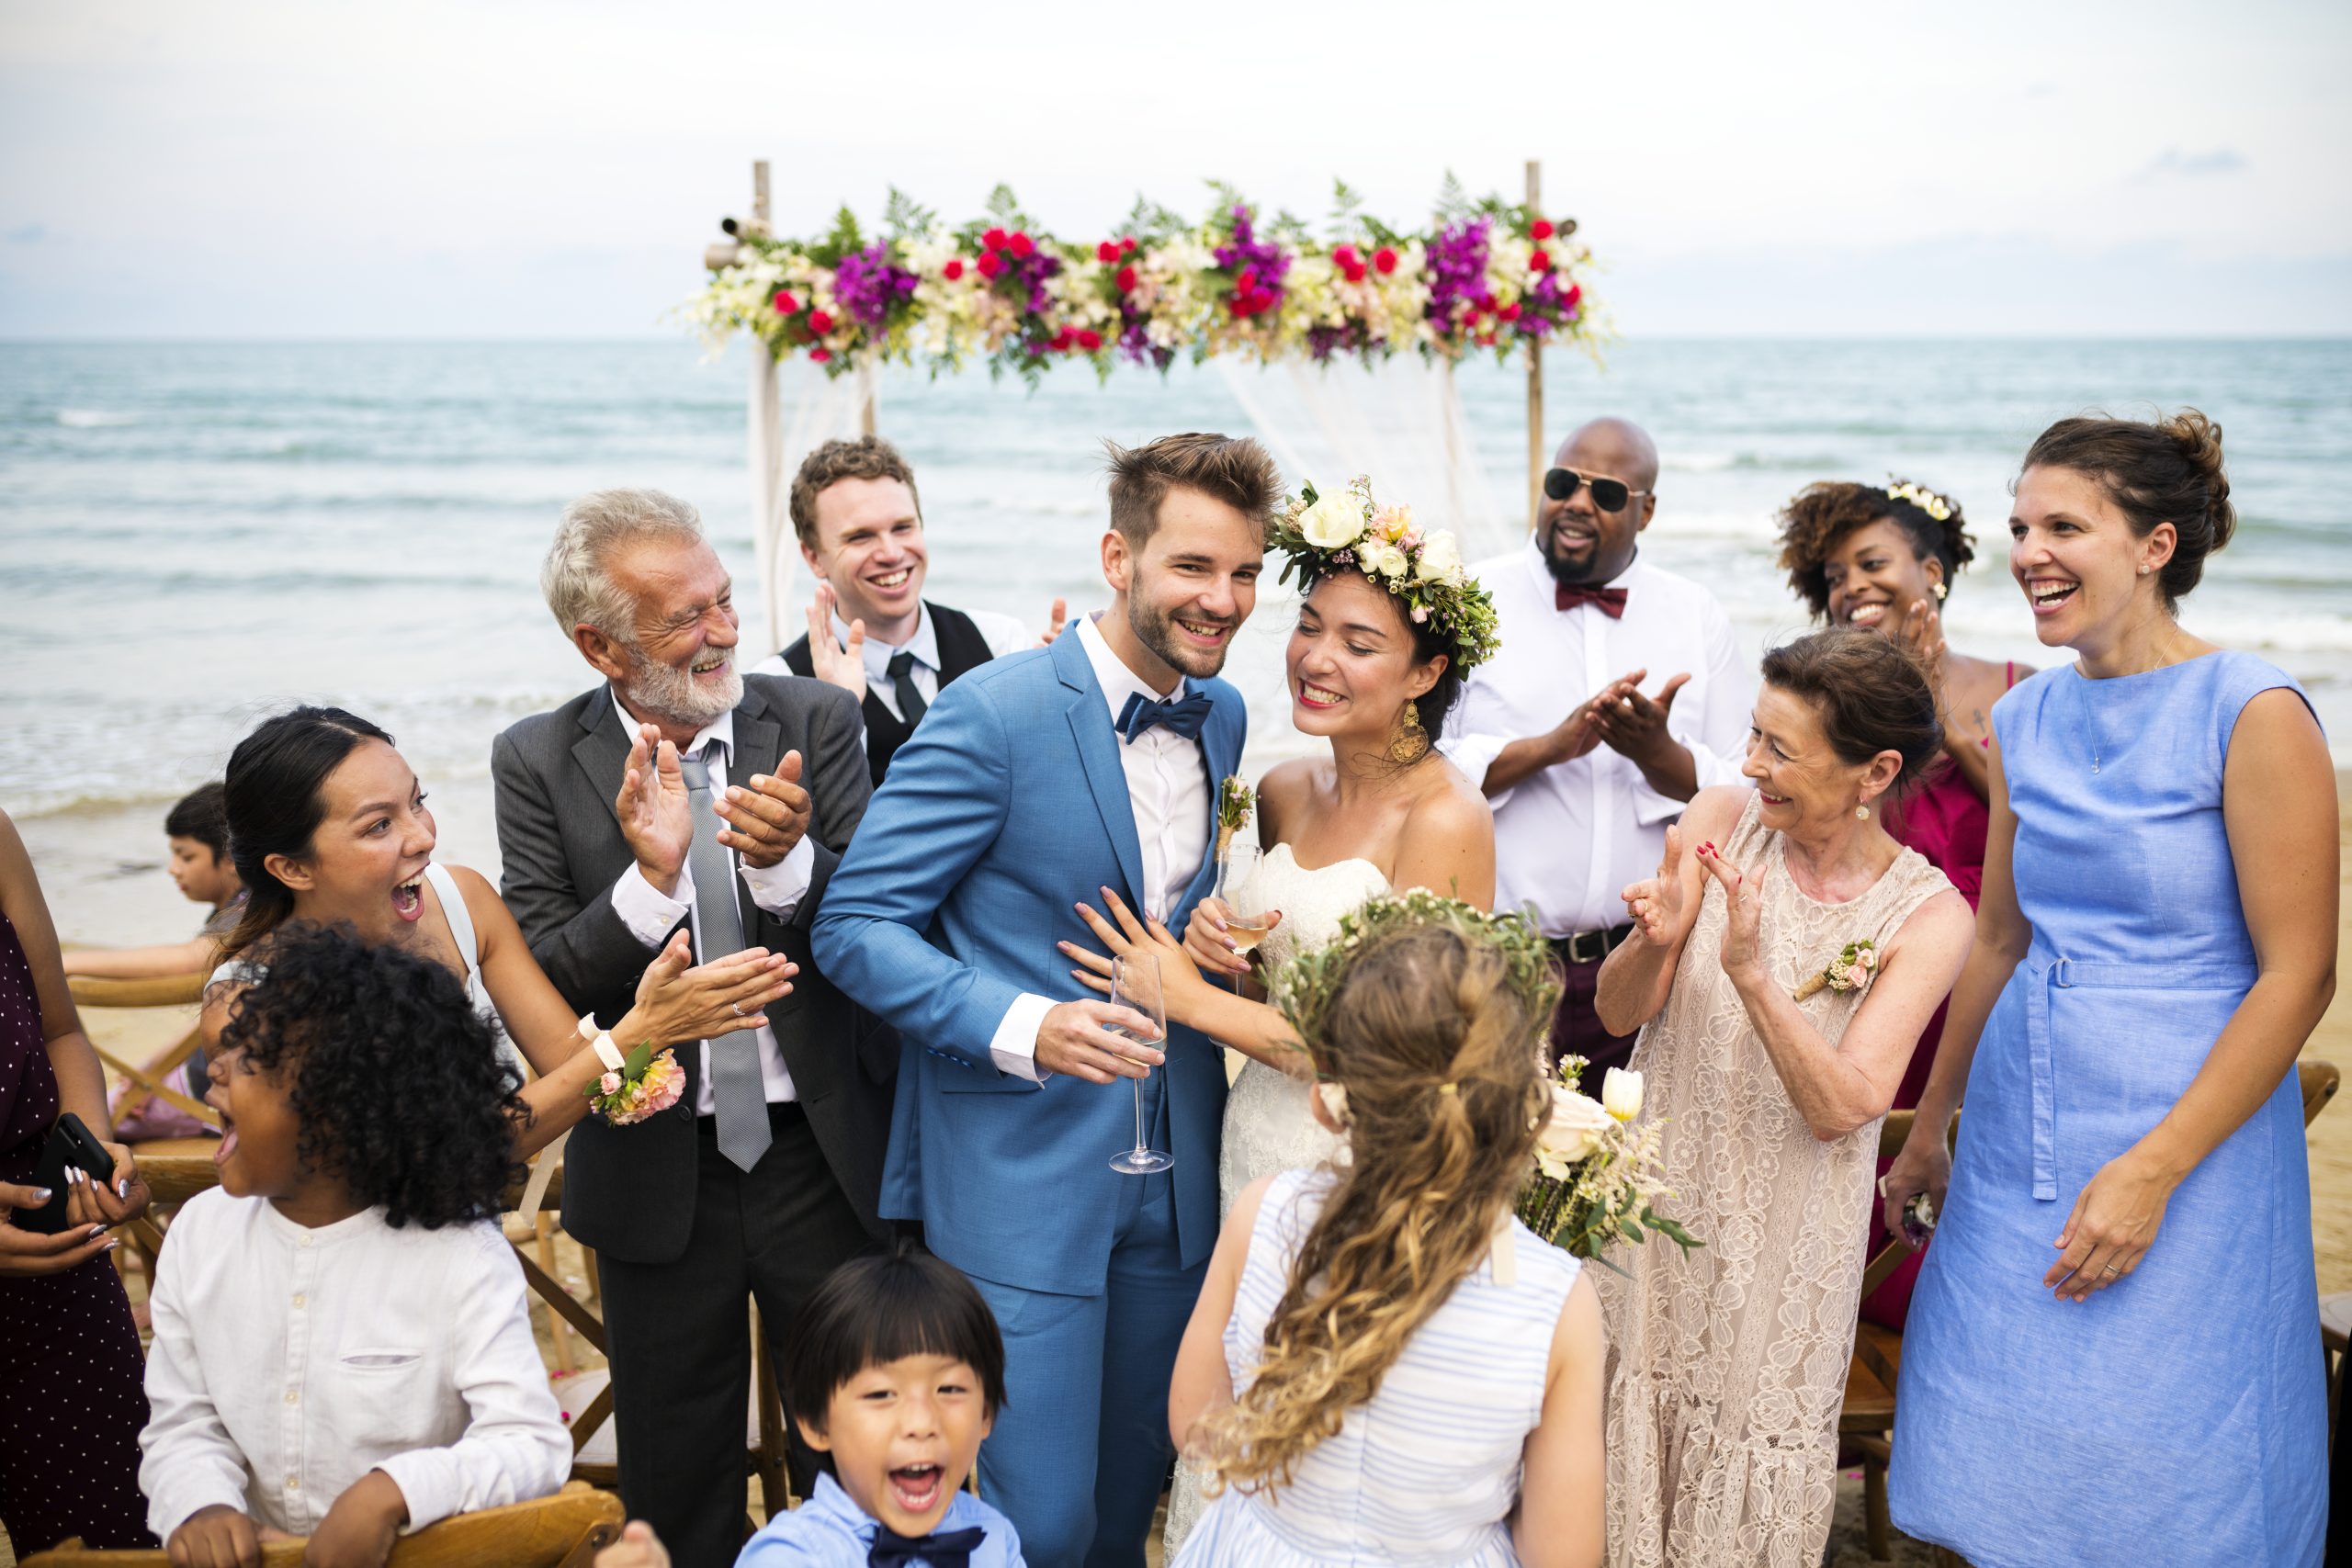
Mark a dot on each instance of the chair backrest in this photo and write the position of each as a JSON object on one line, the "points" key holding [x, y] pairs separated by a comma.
{"points": [[2319, 1081], [154, 991], [562, 1532]]}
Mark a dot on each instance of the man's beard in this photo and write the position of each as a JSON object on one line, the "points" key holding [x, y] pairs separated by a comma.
{"points": [[1594, 569], [666, 692], [1156, 629]]}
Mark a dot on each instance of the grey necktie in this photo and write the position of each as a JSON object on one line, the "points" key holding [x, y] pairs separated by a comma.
{"points": [[738, 1093], [912, 707]]}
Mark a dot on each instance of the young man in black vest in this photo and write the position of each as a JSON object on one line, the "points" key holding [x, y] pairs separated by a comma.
{"points": [[870, 632]]}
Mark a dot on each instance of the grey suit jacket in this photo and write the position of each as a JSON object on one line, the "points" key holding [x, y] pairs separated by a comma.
{"points": [[629, 1192]]}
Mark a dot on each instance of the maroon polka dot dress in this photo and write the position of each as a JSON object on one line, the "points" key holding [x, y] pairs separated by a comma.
{"points": [[71, 1400]]}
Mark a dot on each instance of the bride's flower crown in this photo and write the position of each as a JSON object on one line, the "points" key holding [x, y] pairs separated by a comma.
{"points": [[1346, 531]]}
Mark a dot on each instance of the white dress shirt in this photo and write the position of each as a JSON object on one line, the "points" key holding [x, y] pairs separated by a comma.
{"points": [[1168, 787], [1003, 633], [288, 1363], [650, 914], [1569, 838]]}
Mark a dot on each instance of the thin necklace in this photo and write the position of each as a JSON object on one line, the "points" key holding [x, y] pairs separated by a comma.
{"points": [[2091, 728]]}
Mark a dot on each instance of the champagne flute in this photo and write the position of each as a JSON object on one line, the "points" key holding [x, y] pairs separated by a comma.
{"points": [[1134, 983], [1244, 896]]}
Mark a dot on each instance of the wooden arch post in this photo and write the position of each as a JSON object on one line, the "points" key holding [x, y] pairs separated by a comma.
{"points": [[1537, 457]]}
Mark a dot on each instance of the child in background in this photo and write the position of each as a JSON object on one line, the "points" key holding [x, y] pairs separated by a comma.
{"points": [[1385, 1366], [198, 828], [894, 1374], [341, 1344]]}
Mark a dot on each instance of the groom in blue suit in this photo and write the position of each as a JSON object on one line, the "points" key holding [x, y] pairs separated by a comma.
{"points": [[1035, 781]]}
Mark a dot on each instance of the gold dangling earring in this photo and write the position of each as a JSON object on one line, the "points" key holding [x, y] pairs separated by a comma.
{"points": [[1411, 742]]}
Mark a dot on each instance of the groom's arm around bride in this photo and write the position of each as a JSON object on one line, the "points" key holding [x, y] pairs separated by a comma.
{"points": [[1020, 795]]}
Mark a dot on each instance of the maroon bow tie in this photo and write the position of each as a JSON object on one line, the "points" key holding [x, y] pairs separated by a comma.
{"points": [[1610, 602]]}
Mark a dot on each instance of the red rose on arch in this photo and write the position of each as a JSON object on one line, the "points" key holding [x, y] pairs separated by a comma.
{"points": [[785, 303], [993, 239], [1539, 260], [1345, 256], [1509, 312], [1125, 279], [1089, 339], [1574, 295], [819, 322], [1106, 252], [954, 269], [991, 264], [1541, 229], [1127, 246], [820, 354], [1384, 261], [1020, 244]]}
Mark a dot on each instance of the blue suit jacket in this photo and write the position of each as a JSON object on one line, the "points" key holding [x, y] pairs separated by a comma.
{"points": [[1008, 805]]}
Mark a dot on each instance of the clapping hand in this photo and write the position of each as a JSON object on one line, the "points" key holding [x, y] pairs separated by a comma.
{"points": [[1743, 917], [829, 660], [656, 820], [1632, 725], [766, 813], [1656, 903], [1055, 620], [1923, 638]]}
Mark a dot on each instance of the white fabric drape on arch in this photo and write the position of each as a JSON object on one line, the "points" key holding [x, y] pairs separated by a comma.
{"points": [[820, 407], [1401, 423]]}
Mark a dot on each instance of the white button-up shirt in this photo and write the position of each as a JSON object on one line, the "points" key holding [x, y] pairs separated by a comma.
{"points": [[1568, 839], [1168, 787], [1003, 633], [288, 1363], [650, 914]]}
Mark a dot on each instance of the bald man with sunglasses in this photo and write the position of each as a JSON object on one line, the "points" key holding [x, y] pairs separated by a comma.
{"points": [[1619, 693]]}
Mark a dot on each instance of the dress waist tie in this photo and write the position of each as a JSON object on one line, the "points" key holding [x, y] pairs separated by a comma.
{"points": [[2063, 974]]}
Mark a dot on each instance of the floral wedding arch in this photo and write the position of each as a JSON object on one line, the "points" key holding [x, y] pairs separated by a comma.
{"points": [[1234, 287]]}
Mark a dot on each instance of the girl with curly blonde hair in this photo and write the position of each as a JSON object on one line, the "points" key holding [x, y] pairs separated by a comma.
{"points": [[1385, 1366]]}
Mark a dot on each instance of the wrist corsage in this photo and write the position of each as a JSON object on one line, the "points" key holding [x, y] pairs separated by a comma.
{"points": [[634, 1087], [1849, 970]]}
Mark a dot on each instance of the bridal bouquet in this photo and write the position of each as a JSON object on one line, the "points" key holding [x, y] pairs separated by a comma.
{"points": [[1597, 1174]]}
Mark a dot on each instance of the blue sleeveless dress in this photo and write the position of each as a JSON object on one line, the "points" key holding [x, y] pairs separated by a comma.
{"points": [[2177, 1416]]}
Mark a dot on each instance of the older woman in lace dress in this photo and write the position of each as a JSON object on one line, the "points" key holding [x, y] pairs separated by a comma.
{"points": [[1729, 1362]]}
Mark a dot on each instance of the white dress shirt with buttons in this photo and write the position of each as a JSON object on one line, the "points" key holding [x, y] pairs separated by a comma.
{"points": [[1168, 787], [1570, 838], [288, 1363], [650, 914], [1003, 633]]}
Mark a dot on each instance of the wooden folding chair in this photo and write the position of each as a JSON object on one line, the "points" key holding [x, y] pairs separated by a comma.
{"points": [[562, 1531], [153, 1081]]}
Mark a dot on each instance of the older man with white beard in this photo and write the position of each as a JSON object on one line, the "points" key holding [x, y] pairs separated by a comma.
{"points": [[678, 792]]}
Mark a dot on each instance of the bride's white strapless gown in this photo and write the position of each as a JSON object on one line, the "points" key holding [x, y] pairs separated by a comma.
{"points": [[1267, 1126]]}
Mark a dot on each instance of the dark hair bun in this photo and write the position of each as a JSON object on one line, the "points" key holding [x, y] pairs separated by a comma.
{"points": [[2167, 470]]}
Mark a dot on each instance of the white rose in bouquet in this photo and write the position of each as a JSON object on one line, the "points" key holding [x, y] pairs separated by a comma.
{"points": [[1334, 519], [1440, 557], [1387, 560], [1574, 1131]]}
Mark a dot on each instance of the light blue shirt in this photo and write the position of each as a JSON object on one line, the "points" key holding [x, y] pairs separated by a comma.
{"points": [[831, 1532]]}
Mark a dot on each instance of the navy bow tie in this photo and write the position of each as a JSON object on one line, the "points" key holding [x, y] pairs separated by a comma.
{"points": [[1183, 716], [943, 1549]]}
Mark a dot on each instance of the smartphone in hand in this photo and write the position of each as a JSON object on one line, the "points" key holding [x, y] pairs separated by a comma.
{"points": [[69, 1144]]}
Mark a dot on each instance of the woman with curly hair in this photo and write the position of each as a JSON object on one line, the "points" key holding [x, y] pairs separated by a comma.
{"points": [[1385, 1365], [327, 823], [342, 1344], [1885, 560]]}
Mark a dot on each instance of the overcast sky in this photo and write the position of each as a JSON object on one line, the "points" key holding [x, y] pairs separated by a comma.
{"points": [[437, 169]]}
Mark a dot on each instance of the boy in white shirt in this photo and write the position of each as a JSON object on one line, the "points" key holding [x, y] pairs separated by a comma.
{"points": [[342, 1348]]}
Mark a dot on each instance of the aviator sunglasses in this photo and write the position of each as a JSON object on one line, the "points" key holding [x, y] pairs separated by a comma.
{"points": [[1610, 495]]}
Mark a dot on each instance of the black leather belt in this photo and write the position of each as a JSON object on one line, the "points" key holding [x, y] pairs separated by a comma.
{"points": [[1590, 947]]}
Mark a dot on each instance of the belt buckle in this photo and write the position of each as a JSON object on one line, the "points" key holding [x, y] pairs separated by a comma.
{"points": [[2058, 976], [1575, 946]]}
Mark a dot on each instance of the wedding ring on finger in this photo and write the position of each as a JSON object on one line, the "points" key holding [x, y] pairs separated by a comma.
{"points": [[737, 1008]]}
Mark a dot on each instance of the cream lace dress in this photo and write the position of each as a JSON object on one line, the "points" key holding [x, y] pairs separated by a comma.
{"points": [[1267, 1126], [1728, 1366]]}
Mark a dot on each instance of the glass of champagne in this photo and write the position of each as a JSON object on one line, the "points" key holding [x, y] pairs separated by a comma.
{"points": [[1134, 983], [1242, 890]]}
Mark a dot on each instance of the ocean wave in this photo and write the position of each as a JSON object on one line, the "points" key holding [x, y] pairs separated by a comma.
{"points": [[93, 419]]}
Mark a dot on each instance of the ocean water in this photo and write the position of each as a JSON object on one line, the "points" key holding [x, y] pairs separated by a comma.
{"points": [[193, 536]]}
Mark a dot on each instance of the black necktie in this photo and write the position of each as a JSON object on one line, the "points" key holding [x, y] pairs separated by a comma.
{"points": [[945, 1549], [901, 670], [1185, 717]]}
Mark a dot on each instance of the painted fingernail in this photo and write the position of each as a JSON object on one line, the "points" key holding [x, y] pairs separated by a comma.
{"points": [[42, 1195], [122, 1187], [93, 1233]]}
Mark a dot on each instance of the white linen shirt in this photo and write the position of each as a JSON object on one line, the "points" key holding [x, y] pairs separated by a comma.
{"points": [[649, 914], [288, 1363], [1003, 634], [1168, 787], [1569, 838]]}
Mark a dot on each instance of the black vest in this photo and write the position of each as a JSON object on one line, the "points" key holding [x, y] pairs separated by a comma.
{"points": [[961, 648]]}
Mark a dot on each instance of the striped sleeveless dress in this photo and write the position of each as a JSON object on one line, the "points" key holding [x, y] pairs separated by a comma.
{"points": [[1426, 1472]]}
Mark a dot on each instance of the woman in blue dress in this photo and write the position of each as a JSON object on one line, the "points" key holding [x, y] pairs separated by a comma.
{"points": [[2112, 1354]]}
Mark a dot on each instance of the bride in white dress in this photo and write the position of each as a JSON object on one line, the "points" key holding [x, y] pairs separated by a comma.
{"points": [[1383, 810]]}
